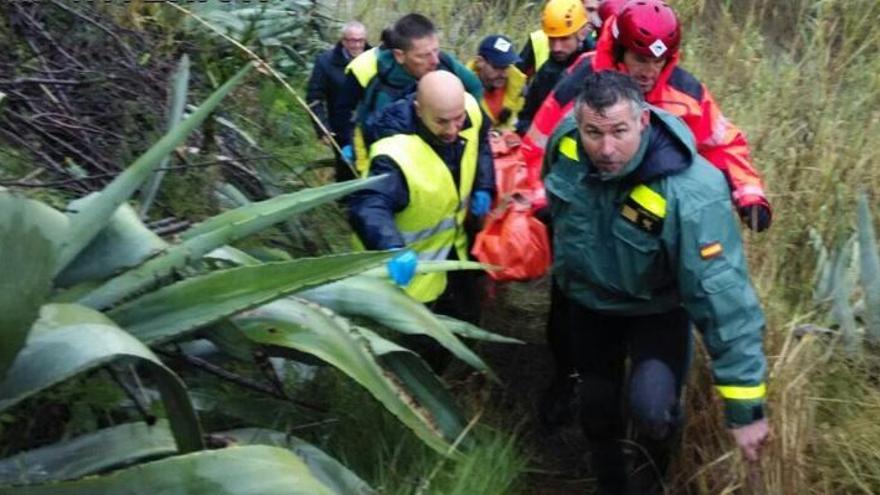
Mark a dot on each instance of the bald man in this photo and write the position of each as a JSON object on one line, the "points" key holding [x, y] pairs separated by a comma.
{"points": [[433, 149]]}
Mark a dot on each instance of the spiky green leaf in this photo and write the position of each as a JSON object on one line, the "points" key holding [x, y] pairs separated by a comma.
{"points": [[124, 243], [85, 224], [869, 262], [330, 472], [95, 452], [177, 310], [179, 90], [25, 271], [292, 323], [214, 233], [69, 339], [391, 307], [250, 470]]}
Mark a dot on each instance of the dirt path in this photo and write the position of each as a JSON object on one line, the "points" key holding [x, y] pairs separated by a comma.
{"points": [[559, 466]]}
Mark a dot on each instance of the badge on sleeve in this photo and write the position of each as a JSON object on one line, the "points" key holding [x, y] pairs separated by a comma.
{"points": [[711, 250]]}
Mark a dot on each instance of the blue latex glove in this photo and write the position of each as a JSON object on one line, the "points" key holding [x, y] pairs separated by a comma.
{"points": [[481, 201], [402, 267], [348, 153]]}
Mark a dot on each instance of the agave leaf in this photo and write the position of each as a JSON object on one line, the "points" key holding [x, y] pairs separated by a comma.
{"points": [[85, 224], [251, 470], [326, 469], [177, 310], [25, 271], [870, 269], [391, 307], [433, 267], [70, 339], [124, 243], [841, 309], [292, 323], [258, 216], [419, 381], [179, 89], [91, 453], [214, 233], [471, 331]]}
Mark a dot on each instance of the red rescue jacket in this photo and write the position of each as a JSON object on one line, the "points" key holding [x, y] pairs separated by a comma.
{"points": [[676, 91]]}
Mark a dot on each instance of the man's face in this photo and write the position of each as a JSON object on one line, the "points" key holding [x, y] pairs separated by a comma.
{"points": [[493, 77], [445, 123], [422, 57], [563, 47], [592, 7], [354, 40], [612, 138], [644, 69]]}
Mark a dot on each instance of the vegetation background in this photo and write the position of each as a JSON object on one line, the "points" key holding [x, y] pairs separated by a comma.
{"points": [[801, 78]]}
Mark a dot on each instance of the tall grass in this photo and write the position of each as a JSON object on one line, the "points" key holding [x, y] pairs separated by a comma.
{"points": [[802, 79]]}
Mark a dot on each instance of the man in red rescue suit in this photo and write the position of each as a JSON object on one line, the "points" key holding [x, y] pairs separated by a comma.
{"points": [[642, 41]]}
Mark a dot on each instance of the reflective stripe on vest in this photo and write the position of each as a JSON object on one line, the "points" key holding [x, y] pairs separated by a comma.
{"points": [[569, 147], [433, 221], [540, 47]]}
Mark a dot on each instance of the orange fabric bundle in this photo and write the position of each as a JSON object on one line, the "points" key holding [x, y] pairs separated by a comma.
{"points": [[512, 238]]}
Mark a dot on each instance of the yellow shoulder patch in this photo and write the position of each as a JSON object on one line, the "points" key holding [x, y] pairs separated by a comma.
{"points": [[569, 147], [711, 250]]}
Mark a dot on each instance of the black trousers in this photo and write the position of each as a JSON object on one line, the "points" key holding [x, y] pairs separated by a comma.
{"points": [[657, 349]]}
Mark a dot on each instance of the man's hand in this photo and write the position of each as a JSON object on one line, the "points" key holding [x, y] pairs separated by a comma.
{"points": [[325, 140], [751, 437]]}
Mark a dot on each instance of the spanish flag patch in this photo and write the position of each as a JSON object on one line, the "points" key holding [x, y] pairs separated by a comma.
{"points": [[711, 250]]}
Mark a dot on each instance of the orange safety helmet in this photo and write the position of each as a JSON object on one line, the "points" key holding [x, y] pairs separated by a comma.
{"points": [[648, 27], [563, 18]]}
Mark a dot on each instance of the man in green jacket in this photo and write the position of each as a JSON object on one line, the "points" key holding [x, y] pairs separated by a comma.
{"points": [[645, 243], [378, 77]]}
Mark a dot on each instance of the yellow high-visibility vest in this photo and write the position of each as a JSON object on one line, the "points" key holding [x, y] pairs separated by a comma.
{"points": [[364, 67], [540, 47]]}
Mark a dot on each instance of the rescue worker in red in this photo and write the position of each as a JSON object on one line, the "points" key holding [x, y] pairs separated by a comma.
{"points": [[644, 43]]}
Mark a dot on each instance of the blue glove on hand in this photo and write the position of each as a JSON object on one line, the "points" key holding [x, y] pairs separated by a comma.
{"points": [[480, 203], [348, 153], [402, 267]]}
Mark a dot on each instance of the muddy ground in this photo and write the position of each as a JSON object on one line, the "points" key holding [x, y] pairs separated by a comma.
{"points": [[558, 459]]}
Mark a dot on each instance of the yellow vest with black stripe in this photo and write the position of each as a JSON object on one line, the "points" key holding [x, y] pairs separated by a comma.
{"points": [[432, 224], [514, 99], [540, 48], [364, 67]]}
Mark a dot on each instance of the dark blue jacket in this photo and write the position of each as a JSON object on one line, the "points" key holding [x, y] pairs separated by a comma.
{"points": [[325, 89], [372, 210]]}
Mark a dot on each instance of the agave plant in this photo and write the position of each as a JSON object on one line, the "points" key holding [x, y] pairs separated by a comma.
{"points": [[92, 286], [856, 259]]}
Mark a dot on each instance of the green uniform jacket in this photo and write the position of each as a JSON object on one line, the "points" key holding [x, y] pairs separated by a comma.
{"points": [[661, 237]]}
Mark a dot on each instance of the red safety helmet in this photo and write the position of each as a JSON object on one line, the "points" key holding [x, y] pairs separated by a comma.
{"points": [[648, 27], [608, 8]]}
